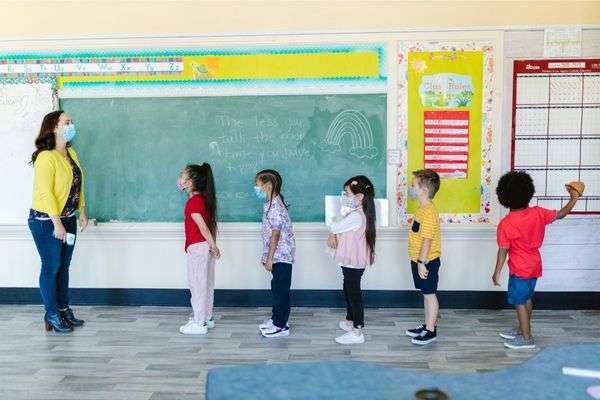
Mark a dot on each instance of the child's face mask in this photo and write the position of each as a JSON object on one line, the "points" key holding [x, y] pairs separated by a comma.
{"points": [[182, 184], [260, 195], [412, 192], [348, 204]]}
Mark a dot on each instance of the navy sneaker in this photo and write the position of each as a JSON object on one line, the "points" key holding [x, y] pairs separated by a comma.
{"points": [[274, 332], [426, 337], [418, 331]]}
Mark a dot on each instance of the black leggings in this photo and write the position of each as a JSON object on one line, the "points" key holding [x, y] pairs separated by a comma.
{"points": [[353, 296]]}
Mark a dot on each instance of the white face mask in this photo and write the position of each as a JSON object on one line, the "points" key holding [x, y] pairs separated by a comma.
{"points": [[348, 204]]}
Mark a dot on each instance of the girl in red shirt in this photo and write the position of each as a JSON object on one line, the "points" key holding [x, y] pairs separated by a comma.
{"points": [[200, 220]]}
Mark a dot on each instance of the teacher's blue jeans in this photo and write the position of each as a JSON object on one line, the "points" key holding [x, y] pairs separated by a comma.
{"points": [[56, 258]]}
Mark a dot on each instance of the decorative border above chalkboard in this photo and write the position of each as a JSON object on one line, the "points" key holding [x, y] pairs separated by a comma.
{"points": [[338, 64]]}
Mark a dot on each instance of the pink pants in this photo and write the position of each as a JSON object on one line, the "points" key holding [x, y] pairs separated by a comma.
{"points": [[201, 279]]}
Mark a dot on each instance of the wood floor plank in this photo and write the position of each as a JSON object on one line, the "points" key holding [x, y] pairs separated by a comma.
{"points": [[137, 352]]}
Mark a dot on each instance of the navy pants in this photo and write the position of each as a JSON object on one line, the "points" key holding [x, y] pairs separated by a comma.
{"points": [[280, 290]]}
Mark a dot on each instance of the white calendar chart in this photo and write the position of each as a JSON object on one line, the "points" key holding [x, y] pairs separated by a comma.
{"points": [[556, 129]]}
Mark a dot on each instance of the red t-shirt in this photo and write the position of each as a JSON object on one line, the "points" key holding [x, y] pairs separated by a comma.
{"points": [[194, 205], [522, 232]]}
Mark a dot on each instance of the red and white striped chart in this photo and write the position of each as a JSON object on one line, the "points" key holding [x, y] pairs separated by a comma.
{"points": [[447, 143], [556, 128]]}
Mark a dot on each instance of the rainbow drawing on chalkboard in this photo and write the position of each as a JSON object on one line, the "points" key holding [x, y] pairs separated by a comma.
{"points": [[354, 124]]}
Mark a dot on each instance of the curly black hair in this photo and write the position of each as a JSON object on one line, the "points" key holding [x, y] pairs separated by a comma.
{"points": [[515, 190]]}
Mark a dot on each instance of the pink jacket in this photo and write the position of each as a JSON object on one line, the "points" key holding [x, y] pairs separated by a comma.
{"points": [[352, 249]]}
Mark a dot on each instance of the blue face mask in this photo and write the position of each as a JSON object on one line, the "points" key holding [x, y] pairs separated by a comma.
{"points": [[69, 132], [412, 193], [260, 195]]}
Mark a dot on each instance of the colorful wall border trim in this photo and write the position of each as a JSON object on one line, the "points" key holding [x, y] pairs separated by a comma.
{"points": [[327, 63]]}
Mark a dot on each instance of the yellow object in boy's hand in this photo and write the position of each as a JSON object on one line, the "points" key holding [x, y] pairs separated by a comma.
{"points": [[577, 186]]}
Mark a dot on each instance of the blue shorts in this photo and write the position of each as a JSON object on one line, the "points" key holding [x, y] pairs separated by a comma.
{"points": [[520, 289], [428, 285]]}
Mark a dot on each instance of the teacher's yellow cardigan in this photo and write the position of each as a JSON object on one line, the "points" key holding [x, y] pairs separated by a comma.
{"points": [[52, 181]]}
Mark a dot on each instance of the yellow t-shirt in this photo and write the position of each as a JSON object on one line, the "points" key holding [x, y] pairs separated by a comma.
{"points": [[426, 224]]}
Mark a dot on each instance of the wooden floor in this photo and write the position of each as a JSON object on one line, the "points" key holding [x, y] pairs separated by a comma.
{"points": [[137, 352]]}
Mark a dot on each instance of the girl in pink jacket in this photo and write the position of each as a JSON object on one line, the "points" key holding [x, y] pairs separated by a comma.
{"points": [[353, 237]]}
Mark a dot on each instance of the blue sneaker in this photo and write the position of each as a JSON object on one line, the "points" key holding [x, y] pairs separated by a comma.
{"points": [[519, 342], [510, 334]]}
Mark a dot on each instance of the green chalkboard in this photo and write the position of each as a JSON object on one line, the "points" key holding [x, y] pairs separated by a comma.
{"points": [[133, 149]]}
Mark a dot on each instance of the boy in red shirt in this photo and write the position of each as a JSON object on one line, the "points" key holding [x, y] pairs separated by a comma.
{"points": [[520, 235]]}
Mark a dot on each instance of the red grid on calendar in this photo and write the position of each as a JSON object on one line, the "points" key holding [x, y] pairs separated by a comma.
{"points": [[447, 142], [556, 129]]}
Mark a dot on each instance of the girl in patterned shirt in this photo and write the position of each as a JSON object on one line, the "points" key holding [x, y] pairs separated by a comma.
{"points": [[279, 247]]}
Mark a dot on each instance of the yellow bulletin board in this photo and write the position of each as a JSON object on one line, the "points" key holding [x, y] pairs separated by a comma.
{"points": [[445, 124], [446, 81]]}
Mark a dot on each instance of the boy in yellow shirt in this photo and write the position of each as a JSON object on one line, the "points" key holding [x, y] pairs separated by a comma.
{"points": [[424, 250]]}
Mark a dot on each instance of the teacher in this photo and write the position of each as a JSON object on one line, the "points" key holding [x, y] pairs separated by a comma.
{"points": [[57, 196]]}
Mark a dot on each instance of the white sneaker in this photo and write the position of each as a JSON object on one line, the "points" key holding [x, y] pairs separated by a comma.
{"points": [[210, 323], [344, 326], [268, 324], [350, 338], [194, 328], [274, 332]]}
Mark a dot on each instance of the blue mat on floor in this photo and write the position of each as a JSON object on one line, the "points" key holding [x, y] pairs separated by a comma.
{"points": [[540, 377]]}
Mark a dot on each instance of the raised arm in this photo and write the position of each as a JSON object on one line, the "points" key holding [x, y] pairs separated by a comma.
{"points": [[563, 212]]}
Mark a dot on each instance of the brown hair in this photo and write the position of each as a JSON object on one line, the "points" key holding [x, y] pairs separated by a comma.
{"points": [[428, 179], [45, 139], [274, 178]]}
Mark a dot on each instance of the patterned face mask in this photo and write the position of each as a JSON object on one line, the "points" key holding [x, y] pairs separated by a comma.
{"points": [[260, 195], [181, 184], [348, 204], [69, 132]]}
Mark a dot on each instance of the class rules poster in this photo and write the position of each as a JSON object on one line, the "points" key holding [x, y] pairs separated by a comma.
{"points": [[445, 124]]}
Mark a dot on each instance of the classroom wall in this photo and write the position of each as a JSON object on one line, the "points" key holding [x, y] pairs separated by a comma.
{"points": [[151, 256], [31, 18]]}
